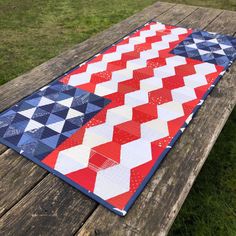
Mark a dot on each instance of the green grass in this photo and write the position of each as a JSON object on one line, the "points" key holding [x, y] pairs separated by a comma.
{"points": [[35, 31], [210, 208]]}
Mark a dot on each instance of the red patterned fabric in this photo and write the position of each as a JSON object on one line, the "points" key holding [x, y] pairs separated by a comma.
{"points": [[153, 95]]}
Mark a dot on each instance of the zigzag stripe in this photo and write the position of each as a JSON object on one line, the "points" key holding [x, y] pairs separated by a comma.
{"points": [[139, 151], [116, 115], [106, 61]]}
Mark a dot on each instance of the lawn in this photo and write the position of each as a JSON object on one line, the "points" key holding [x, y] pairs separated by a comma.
{"points": [[35, 31]]}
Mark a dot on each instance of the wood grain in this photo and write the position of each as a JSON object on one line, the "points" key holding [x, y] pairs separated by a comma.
{"points": [[18, 175], [156, 208], [57, 210], [226, 23], [3, 148]]}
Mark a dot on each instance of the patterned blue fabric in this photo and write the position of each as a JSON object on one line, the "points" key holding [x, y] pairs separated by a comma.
{"points": [[42, 121], [209, 47]]}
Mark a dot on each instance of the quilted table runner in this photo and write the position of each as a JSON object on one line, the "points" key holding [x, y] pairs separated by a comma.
{"points": [[105, 126]]}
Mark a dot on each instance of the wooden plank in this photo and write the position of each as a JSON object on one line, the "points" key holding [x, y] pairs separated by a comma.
{"points": [[197, 21], [15, 176], [23, 189], [11, 157], [226, 23], [57, 210], [177, 14], [3, 148], [156, 209]]}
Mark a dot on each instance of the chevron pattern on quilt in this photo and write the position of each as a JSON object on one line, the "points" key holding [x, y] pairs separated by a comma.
{"points": [[115, 116]]}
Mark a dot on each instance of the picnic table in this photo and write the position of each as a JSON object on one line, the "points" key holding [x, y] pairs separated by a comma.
{"points": [[35, 202]]}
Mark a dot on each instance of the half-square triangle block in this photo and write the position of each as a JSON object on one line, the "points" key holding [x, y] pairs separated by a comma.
{"points": [[41, 122]]}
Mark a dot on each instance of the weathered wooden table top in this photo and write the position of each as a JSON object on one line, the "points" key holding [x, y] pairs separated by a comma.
{"points": [[33, 201]]}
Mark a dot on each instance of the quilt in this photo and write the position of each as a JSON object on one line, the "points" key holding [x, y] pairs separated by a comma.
{"points": [[104, 126]]}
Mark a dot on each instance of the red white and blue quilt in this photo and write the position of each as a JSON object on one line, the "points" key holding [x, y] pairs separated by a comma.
{"points": [[105, 126]]}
